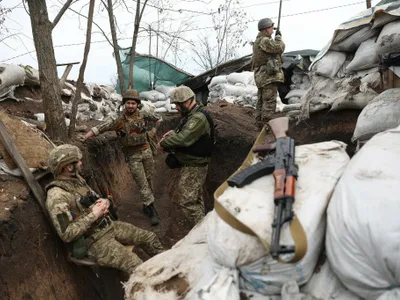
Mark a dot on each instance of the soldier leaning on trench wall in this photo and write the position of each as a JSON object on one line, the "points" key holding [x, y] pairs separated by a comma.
{"points": [[135, 128], [268, 73], [82, 219]]}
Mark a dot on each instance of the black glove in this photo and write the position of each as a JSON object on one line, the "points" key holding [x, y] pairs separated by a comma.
{"points": [[278, 32]]}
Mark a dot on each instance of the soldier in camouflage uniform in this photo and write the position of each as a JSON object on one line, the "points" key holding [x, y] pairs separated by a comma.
{"points": [[134, 127], [190, 144], [267, 67], [84, 222]]}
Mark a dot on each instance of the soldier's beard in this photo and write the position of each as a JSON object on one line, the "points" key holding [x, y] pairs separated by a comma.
{"points": [[130, 111]]}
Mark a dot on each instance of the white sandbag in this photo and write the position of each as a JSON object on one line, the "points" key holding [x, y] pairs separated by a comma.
{"points": [[165, 89], [295, 93], [246, 78], [160, 103], [382, 19], [83, 107], [31, 76], [115, 97], [160, 110], [294, 100], [148, 107], [390, 295], [94, 89], [297, 78], [324, 284], [362, 240], [348, 101], [362, 73], [389, 38], [152, 96], [330, 64], [370, 81], [382, 113], [11, 76], [232, 90], [351, 43], [217, 80], [320, 165], [366, 56]]}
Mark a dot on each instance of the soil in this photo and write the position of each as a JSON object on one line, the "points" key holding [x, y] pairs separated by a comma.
{"points": [[33, 260]]}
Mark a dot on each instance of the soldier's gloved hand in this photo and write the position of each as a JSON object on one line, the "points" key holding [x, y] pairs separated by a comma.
{"points": [[100, 208]]}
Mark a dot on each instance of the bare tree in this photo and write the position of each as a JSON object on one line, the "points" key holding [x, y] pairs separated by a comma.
{"points": [[42, 29], [229, 24], [138, 18], [79, 84]]}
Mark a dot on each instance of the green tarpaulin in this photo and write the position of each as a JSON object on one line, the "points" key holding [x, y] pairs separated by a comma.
{"points": [[149, 71]]}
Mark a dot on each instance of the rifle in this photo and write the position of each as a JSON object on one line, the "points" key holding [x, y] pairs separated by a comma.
{"points": [[283, 168]]}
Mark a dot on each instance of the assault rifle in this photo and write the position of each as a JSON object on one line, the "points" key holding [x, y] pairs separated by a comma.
{"points": [[90, 198], [282, 166]]}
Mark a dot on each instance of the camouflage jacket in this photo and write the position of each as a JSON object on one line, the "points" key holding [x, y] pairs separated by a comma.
{"points": [[267, 59], [70, 218], [132, 129], [196, 126]]}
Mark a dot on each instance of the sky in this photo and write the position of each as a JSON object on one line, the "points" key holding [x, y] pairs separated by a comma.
{"points": [[305, 24]]}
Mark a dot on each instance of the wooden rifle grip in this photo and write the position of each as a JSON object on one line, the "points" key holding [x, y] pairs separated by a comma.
{"points": [[290, 186], [279, 176]]}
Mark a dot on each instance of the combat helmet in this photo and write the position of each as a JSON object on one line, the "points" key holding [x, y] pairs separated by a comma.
{"points": [[131, 95], [181, 94], [265, 23], [63, 155]]}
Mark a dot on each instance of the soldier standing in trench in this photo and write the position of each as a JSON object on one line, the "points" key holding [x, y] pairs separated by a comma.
{"points": [[190, 146], [134, 127], [82, 220], [267, 67]]}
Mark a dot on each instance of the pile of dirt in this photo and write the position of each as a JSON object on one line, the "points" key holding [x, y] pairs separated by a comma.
{"points": [[33, 259]]}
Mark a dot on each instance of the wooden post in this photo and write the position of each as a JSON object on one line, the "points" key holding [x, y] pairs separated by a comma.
{"points": [[19, 160], [368, 3], [66, 72]]}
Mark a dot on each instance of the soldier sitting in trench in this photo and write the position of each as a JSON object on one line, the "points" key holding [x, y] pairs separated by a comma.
{"points": [[82, 219]]}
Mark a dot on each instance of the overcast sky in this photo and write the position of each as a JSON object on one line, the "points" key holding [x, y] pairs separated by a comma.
{"points": [[306, 24]]}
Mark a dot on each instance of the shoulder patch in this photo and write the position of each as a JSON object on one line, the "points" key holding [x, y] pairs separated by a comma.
{"points": [[191, 124]]}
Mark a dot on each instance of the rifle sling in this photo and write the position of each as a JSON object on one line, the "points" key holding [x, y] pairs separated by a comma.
{"points": [[296, 229]]}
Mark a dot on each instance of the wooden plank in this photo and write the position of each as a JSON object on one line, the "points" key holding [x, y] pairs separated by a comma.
{"points": [[30, 179], [65, 75], [66, 64]]}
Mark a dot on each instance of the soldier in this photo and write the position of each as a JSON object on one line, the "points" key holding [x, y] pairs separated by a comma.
{"points": [[189, 147], [267, 67], [134, 128], [82, 220]]}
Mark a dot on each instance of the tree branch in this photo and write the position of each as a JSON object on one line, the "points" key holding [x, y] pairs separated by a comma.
{"points": [[61, 12]]}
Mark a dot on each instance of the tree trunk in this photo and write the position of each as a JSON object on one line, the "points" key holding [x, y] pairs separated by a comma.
{"points": [[79, 84], [133, 48], [49, 82], [120, 72]]}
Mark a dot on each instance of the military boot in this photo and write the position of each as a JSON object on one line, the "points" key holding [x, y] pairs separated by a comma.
{"points": [[151, 212]]}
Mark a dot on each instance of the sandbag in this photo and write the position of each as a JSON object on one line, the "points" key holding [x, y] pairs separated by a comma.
{"points": [[330, 64], [362, 239], [160, 104], [348, 101], [148, 107], [351, 43], [218, 80], [160, 110], [370, 81], [165, 89], [382, 113], [11, 76], [152, 96], [366, 56], [381, 19], [246, 78], [232, 90], [389, 38], [320, 165], [295, 93]]}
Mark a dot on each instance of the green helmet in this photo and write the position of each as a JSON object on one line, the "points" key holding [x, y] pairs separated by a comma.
{"points": [[63, 155], [131, 95], [265, 23], [181, 94]]}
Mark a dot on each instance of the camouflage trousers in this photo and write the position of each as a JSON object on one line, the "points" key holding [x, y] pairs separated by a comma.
{"points": [[266, 104], [141, 164], [189, 195], [109, 250]]}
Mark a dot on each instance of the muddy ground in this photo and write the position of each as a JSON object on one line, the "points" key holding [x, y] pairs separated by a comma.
{"points": [[33, 259]]}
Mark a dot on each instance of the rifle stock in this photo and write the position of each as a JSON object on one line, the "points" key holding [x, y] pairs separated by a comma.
{"points": [[279, 126]]}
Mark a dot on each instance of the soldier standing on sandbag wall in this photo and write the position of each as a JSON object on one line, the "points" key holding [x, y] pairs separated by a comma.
{"points": [[82, 218], [190, 146], [267, 67], [135, 129]]}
